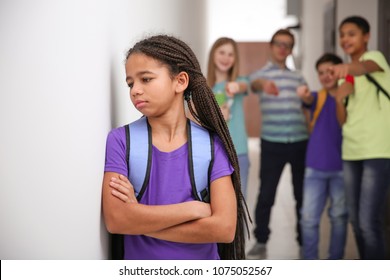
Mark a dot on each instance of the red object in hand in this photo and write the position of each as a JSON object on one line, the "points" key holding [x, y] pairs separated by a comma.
{"points": [[350, 79]]}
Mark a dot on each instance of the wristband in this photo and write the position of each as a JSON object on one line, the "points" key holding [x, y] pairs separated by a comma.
{"points": [[350, 79]]}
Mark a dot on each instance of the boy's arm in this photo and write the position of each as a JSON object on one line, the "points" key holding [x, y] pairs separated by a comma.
{"points": [[343, 91], [307, 98], [257, 85], [304, 93], [219, 227], [359, 68], [267, 86], [243, 87], [124, 215]]}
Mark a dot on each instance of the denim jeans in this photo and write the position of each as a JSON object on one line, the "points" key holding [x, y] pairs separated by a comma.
{"points": [[274, 156], [318, 187], [243, 161], [367, 183]]}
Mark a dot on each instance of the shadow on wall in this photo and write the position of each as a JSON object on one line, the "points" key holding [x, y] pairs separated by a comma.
{"points": [[113, 96], [253, 56]]}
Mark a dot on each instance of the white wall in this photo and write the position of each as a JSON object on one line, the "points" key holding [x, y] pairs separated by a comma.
{"points": [[313, 30], [61, 89], [367, 9], [132, 21], [246, 20], [54, 115]]}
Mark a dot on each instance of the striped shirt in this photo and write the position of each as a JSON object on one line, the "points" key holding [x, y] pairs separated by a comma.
{"points": [[283, 120]]}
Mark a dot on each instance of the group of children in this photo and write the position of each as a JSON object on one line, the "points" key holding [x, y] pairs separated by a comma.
{"points": [[348, 153], [346, 149]]}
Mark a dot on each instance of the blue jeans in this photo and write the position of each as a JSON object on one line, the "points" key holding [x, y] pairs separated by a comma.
{"points": [[243, 161], [367, 183], [318, 186]]}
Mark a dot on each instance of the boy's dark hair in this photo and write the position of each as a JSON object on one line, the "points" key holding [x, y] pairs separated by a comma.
{"points": [[283, 32], [359, 21], [329, 57], [178, 56]]}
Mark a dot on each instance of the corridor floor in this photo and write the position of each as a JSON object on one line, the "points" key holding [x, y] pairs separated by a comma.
{"points": [[282, 244]]}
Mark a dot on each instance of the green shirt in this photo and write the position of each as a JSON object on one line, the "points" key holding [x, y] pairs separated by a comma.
{"points": [[236, 121], [366, 133]]}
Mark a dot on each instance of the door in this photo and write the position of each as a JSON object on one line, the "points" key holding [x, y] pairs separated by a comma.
{"points": [[384, 47], [384, 28], [253, 56]]}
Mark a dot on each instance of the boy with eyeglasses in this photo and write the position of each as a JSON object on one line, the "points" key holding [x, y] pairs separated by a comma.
{"points": [[284, 135]]}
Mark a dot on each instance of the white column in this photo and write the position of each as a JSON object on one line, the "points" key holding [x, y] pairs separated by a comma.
{"points": [[61, 90]]}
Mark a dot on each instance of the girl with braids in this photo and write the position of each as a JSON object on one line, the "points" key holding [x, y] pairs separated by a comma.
{"points": [[230, 90], [167, 222]]}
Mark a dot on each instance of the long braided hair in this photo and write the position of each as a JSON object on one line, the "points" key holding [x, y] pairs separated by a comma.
{"points": [[178, 57]]}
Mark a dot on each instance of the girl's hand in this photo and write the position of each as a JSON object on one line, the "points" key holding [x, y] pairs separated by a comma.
{"points": [[270, 88], [123, 189], [232, 88], [225, 111]]}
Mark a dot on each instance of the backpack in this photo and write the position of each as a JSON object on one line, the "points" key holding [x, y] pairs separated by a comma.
{"points": [[322, 95], [321, 98], [139, 157], [379, 88]]}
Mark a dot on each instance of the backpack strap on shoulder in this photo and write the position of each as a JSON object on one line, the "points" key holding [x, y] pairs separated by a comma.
{"points": [[139, 154], [200, 159], [378, 86], [321, 98]]}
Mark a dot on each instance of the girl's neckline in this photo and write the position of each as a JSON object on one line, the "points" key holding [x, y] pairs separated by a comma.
{"points": [[173, 153]]}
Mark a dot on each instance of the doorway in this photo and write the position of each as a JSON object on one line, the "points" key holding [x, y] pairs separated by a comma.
{"points": [[253, 56], [384, 47]]}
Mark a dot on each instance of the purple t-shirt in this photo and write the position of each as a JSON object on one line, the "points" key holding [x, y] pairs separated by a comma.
{"points": [[169, 184], [324, 147]]}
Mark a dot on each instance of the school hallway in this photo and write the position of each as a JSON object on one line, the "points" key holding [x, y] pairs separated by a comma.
{"points": [[282, 244]]}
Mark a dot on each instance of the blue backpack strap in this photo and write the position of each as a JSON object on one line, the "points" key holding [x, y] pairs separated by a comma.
{"points": [[200, 158], [139, 154]]}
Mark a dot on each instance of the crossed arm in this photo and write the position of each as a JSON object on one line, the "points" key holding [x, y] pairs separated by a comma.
{"points": [[188, 222]]}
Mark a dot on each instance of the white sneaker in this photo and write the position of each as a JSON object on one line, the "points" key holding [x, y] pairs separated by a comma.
{"points": [[258, 252]]}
